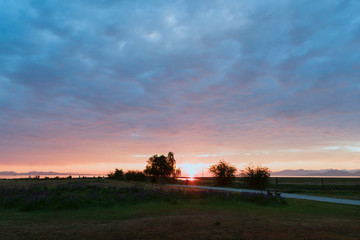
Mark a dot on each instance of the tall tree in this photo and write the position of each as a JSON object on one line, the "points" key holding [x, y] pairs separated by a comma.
{"points": [[161, 166]]}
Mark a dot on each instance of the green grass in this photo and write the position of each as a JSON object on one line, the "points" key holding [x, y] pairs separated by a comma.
{"points": [[192, 219], [160, 208], [75, 195], [333, 187], [199, 217], [337, 191]]}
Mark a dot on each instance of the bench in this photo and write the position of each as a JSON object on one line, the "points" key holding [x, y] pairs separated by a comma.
{"points": [[273, 192]]}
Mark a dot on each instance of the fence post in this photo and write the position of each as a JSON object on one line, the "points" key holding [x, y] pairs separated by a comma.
{"points": [[322, 184], [277, 183]]}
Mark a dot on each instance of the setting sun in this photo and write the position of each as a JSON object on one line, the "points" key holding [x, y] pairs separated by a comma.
{"points": [[192, 170]]}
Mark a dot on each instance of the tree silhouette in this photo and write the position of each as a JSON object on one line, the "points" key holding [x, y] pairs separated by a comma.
{"points": [[223, 171], [161, 166]]}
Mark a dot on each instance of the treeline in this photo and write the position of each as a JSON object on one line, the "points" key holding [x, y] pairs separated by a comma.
{"points": [[254, 176], [161, 167], [131, 175]]}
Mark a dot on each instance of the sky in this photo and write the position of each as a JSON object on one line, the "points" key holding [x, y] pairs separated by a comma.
{"points": [[89, 86]]}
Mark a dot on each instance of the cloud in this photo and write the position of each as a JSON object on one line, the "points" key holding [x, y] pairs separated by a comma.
{"points": [[133, 77]]}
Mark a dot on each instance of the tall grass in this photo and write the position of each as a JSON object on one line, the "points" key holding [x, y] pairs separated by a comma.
{"points": [[73, 196]]}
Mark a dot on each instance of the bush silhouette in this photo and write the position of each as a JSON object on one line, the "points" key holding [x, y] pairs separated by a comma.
{"points": [[132, 175], [223, 171], [118, 174], [256, 176]]}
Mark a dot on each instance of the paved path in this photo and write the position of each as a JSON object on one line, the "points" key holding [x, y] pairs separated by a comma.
{"points": [[285, 195]]}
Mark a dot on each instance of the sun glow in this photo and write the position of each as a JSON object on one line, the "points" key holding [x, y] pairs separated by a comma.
{"points": [[192, 170]]}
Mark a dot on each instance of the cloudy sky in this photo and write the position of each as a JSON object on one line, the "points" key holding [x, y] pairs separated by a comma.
{"points": [[93, 85]]}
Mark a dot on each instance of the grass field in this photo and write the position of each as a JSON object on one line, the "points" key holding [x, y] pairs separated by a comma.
{"points": [[332, 187], [192, 216]]}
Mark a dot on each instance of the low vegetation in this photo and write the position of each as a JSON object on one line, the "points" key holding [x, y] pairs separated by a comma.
{"points": [[76, 195], [348, 188], [330, 187], [152, 211], [133, 175], [130, 175]]}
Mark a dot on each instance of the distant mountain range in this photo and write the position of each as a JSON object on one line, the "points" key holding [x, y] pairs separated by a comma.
{"points": [[288, 172], [36, 173], [325, 173]]}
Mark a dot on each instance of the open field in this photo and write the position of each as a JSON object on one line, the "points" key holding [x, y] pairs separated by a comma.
{"points": [[51, 183], [332, 187], [196, 217]]}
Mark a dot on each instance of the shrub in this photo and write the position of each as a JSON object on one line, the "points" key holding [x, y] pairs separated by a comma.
{"points": [[256, 177], [223, 171], [132, 175], [118, 174]]}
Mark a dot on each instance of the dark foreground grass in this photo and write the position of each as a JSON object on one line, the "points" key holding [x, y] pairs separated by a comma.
{"points": [[191, 215], [330, 187], [81, 195], [195, 219], [336, 191]]}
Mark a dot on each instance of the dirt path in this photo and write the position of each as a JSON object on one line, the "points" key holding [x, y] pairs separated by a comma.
{"points": [[285, 195]]}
